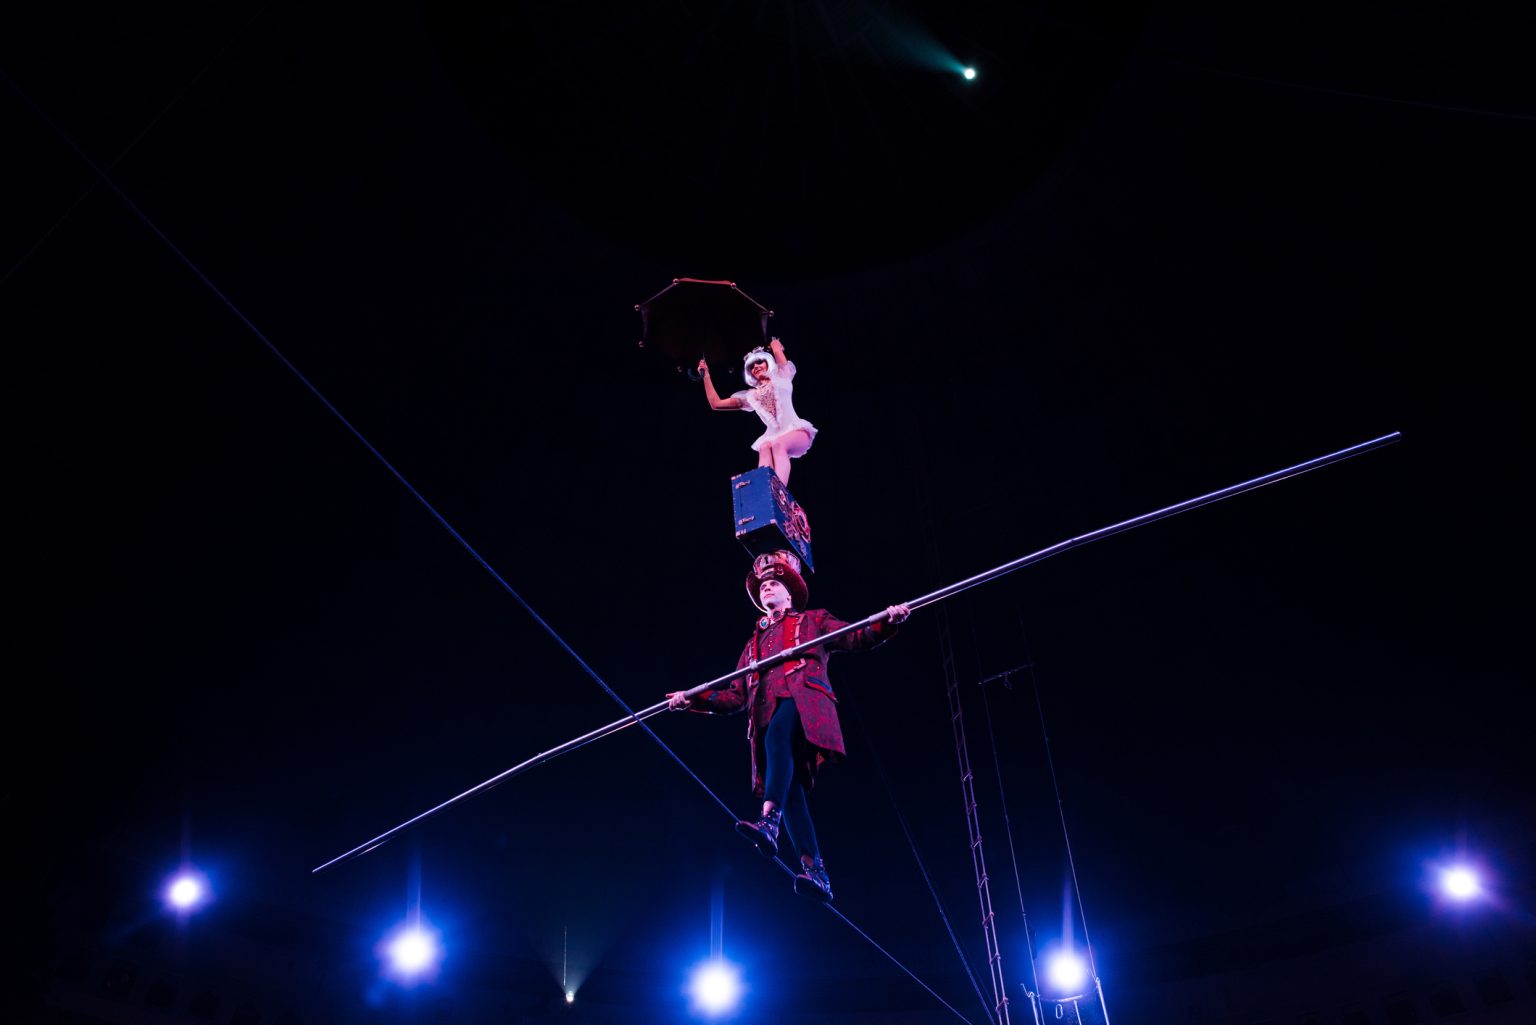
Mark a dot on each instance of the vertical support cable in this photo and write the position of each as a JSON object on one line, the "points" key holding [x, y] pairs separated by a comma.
{"points": [[972, 821], [1061, 811], [1002, 800]]}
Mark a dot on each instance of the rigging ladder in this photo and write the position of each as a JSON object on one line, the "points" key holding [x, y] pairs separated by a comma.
{"points": [[972, 821]]}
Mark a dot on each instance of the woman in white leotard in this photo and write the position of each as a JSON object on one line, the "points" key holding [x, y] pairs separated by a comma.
{"points": [[769, 394]]}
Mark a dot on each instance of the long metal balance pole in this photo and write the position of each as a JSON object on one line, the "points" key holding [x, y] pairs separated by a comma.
{"points": [[931, 598]]}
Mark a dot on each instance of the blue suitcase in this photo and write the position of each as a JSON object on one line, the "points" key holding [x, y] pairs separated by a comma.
{"points": [[768, 518]]}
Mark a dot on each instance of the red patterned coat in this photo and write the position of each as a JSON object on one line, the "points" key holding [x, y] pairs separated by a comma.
{"points": [[803, 678]]}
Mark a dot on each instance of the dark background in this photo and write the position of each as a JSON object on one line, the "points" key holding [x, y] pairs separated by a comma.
{"points": [[1151, 251]]}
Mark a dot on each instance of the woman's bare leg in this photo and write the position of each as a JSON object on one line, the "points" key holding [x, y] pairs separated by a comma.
{"points": [[790, 446], [780, 461]]}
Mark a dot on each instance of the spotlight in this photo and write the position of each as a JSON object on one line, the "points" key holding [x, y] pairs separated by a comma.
{"points": [[969, 74], [715, 987], [1066, 972], [410, 953], [1460, 883], [570, 996], [187, 891]]}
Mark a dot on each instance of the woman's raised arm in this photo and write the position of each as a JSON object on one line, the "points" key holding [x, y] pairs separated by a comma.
{"points": [[715, 401]]}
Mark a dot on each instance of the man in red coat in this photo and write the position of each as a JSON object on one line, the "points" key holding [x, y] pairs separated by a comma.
{"points": [[792, 725]]}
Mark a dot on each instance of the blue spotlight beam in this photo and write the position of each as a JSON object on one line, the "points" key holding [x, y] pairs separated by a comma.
{"points": [[932, 598]]}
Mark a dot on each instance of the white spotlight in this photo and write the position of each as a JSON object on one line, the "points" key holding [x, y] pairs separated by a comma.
{"points": [[410, 954], [968, 74], [570, 996], [411, 950], [1066, 971], [716, 987], [186, 891], [1460, 883]]}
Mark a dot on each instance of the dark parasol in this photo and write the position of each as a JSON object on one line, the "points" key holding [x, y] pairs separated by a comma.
{"points": [[693, 319]]}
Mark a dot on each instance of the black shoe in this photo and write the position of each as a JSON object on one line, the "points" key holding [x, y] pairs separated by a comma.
{"points": [[813, 882], [764, 833]]}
